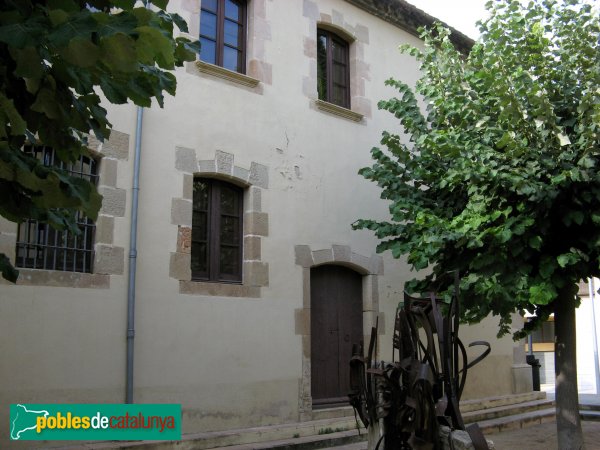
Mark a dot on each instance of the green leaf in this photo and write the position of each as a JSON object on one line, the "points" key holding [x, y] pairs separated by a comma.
{"points": [[81, 25], [9, 273], [180, 22], [58, 16], [65, 5], [29, 63], [541, 294], [154, 45], [118, 52], [23, 34], [162, 4], [547, 267], [127, 5], [506, 138], [535, 242], [14, 119], [567, 259], [45, 102], [81, 53]]}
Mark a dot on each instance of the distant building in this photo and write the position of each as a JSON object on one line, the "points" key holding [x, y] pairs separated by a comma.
{"points": [[588, 337]]}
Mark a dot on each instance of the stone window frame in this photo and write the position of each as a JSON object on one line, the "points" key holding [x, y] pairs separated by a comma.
{"points": [[371, 268], [357, 36], [254, 180], [258, 70], [109, 259]]}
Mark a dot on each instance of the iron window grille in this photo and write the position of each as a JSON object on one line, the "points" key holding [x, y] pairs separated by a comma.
{"points": [[39, 246], [223, 33]]}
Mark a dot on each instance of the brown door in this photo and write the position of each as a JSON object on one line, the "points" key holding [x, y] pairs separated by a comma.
{"points": [[336, 324]]}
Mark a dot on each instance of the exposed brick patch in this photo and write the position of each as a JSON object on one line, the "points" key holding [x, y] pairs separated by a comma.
{"points": [[184, 239]]}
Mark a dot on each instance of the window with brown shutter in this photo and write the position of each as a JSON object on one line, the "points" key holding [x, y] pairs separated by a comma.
{"points": [[217, 231]]}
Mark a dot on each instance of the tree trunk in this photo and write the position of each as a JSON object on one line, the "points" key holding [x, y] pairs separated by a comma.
{"points": [[568, 423]]}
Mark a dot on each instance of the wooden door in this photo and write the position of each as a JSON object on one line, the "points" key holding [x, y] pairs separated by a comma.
{"points": [[336, 324]]}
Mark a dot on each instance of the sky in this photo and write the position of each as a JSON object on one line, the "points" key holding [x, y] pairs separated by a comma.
{"points": [[460, 14]]}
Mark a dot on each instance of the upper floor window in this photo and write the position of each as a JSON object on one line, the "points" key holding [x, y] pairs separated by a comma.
{"points": [[223, 34], [333, 69], [39, 246], [217, 231]]}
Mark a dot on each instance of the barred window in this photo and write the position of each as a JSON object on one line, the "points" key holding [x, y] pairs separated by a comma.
{"points": [[39, 246]]}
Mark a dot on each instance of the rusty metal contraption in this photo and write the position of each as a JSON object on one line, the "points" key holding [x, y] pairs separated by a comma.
{"points": [[415, 394]]}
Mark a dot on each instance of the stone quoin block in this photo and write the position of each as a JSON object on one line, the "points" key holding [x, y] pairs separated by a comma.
{"points": [[109, 260], [108, 172], [117, 145], [303, 256], [113, 201], [256, 273], [181, 212], [105, 229], [179, 266], [224, 162], [185, 160], [256, 223], [259, 175], [252, 248], [188, 187]]}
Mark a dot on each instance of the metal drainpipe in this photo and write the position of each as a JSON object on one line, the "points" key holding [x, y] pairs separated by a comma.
{"points": [[133, 257], [595, 333]]}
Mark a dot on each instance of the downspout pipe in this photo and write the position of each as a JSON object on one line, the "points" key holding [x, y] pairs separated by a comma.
{"points": [[595, 334], [133, 257]]}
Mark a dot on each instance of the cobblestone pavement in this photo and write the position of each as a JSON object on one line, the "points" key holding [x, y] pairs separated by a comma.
{"points": [[537, 437], [543, 437]]}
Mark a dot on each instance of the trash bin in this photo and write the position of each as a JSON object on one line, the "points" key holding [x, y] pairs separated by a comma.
{"points": [[535, 370]]}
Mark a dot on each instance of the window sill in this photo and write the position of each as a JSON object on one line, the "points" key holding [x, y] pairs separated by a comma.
{"points": [[338, 111], [57, 278], [226, 74], [218, 289]]}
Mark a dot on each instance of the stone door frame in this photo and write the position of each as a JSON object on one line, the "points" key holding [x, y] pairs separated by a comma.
{"points": [[370, 268]]}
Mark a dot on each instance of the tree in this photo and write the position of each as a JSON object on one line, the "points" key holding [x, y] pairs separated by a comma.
{"points": [[500, 178], [56, 56]]}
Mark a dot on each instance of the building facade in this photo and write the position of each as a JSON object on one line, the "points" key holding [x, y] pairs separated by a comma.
{"points": [[251, 285]]}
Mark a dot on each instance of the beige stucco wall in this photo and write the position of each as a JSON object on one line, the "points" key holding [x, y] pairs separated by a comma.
{"points": [[231, 361]]}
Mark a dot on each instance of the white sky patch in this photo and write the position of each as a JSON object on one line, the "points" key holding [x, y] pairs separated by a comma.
{"points": [[460, 14]]}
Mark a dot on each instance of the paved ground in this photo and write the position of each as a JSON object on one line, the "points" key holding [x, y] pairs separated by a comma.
{"points": [[538, 437], [543, 437]]}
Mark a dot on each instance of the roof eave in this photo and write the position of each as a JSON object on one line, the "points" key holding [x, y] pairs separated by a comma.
{"points": [[410, 18]]}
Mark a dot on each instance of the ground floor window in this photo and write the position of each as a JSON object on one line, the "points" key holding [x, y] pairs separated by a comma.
{"points": [[217, 231], [39, 246]]}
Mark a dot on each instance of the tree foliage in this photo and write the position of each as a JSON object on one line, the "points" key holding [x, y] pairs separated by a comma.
{"points": [[56, 57], [500, 178]]}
